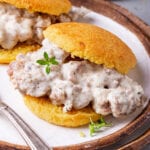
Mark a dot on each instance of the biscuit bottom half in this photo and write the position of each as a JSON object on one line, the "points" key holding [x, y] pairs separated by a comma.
{"points": [[44, 109], [6, 56]]}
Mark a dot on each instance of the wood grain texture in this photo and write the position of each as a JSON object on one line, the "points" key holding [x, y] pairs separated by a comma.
{"points": [[142, 31], [9, 146], [138, 143]]}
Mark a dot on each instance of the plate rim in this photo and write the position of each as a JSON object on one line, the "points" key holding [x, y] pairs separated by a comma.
{"points": [[142, 31]]}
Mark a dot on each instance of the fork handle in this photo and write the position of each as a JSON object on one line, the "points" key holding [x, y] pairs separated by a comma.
{"points": [[31, 138]]}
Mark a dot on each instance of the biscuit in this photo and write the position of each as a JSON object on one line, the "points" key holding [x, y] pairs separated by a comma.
{"points": [[45, 110], [6, 56], [53, 7], [92, 43]]}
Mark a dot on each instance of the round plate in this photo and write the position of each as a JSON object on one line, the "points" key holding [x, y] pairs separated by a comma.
{"points": [[136, 35]]}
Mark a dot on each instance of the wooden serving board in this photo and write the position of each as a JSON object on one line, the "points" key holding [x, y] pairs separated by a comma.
{"points": [[136, 133]]}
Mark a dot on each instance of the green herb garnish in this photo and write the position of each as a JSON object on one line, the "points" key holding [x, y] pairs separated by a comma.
{"points": [[95, 126], [47, 61]]}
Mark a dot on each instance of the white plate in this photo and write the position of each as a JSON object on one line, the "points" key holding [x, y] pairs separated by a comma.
{"points": [[61, 136]]}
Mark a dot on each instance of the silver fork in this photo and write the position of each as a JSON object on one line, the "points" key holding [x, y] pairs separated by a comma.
{"points": [[30, 137]]}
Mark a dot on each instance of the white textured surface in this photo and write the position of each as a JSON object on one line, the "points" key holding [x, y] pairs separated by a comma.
{"points": [[55, 135]]}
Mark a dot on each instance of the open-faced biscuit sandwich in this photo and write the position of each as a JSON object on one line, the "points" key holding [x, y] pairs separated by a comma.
{"points": [[77, 74], [22, 23]]}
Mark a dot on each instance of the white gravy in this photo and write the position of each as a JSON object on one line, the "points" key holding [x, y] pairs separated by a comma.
{"points": [[75, 84]]}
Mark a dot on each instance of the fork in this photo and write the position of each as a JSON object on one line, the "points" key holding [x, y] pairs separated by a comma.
{"points": [[30, 137]]}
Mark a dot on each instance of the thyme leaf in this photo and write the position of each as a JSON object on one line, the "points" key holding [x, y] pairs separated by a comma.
{"points": [[47, 61], [95, 126]]}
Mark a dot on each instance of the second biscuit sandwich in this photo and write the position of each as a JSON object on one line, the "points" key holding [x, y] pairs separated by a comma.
{"points": [[22, 23]]}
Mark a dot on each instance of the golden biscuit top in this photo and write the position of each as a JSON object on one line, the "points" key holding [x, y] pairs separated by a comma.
{"points": [[53, 7], [92, 43]]}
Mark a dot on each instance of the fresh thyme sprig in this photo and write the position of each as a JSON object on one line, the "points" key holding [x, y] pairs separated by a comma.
{"points": [[95, 126], [47, 61]]}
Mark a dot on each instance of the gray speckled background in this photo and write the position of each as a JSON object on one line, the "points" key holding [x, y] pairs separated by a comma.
{"points": [[140, 8]]}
